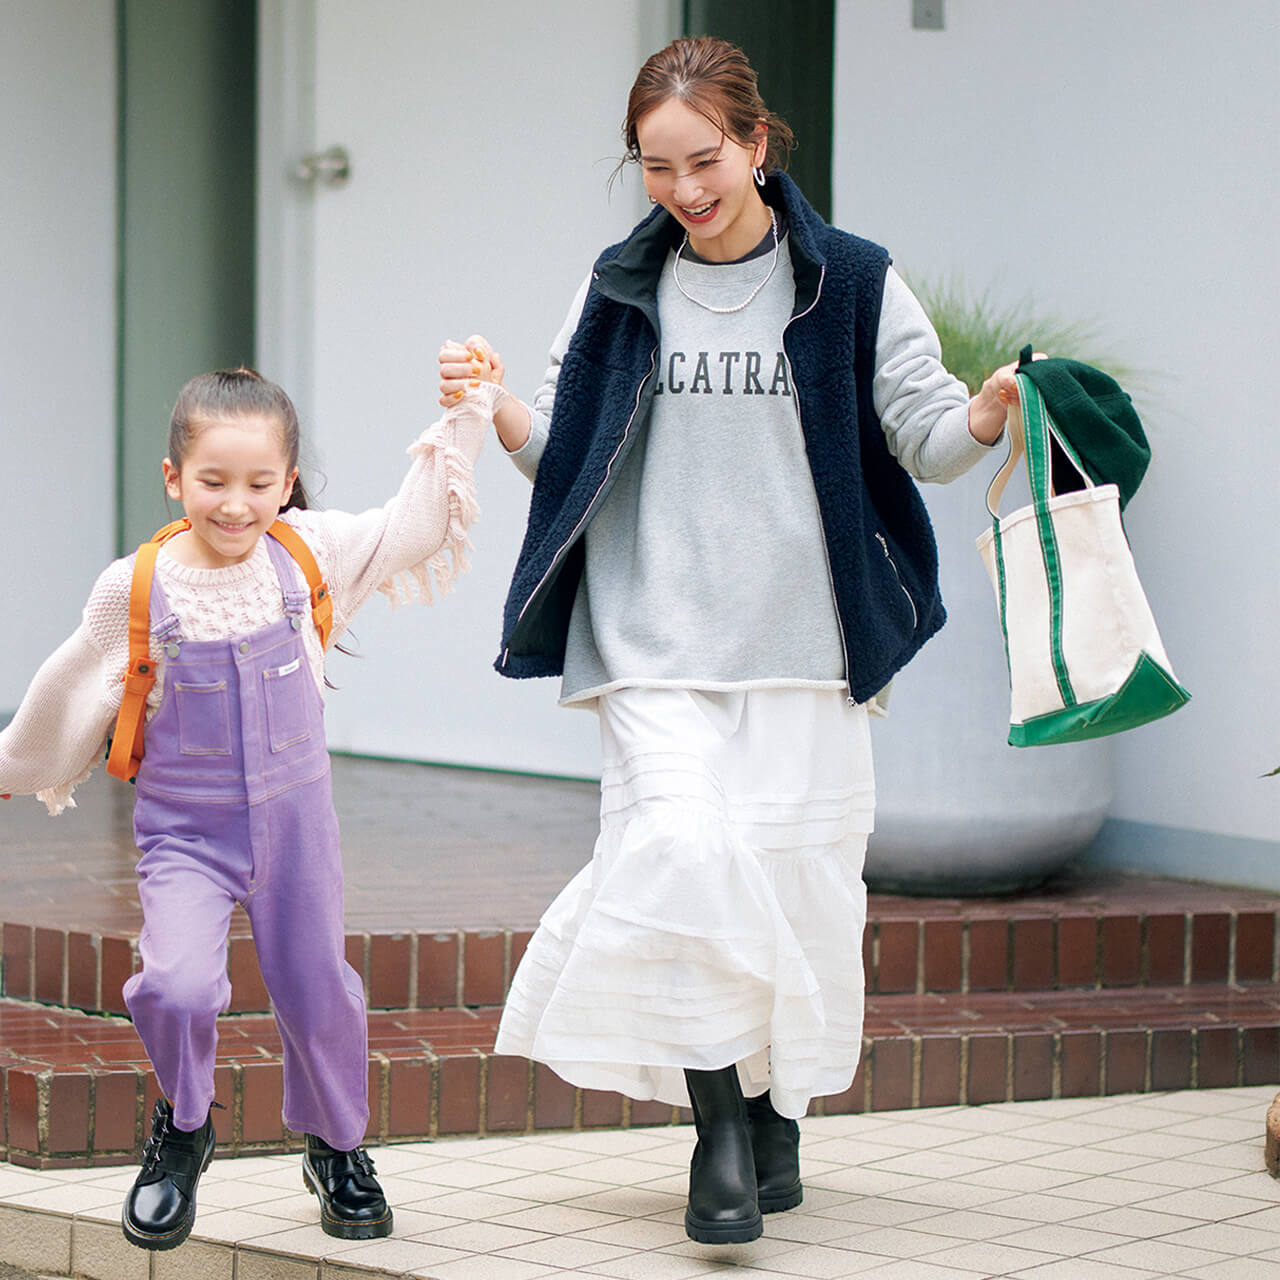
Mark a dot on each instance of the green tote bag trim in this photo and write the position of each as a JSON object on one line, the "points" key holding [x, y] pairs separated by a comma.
{"points": [[1148, 693], [1036, 428], [1001, 589]]}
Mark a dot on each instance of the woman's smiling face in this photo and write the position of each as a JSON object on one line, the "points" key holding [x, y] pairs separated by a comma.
{"points": [[703, 179]]}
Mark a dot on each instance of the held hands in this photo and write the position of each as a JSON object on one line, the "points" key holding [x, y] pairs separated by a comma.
{"points": [[468, 364]]}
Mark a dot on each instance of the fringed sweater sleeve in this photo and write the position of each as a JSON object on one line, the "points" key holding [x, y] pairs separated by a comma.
{"points": [[60, 731], [416, 544]]}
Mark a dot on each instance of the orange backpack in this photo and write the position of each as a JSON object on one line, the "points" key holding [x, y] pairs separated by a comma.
{"points": [[126, 744]]}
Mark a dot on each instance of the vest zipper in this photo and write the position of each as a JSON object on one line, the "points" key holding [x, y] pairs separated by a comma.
{"points": [[591, 506], [822, 524], [893, 564]]}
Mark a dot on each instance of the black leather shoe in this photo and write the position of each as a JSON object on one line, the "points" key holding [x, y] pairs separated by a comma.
{"points": [[352, 1206], [161, 1206], [722, 1181], [775, 1144]]}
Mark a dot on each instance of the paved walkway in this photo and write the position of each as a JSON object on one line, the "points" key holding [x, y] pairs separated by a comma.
{"points": [[1130, 1187]]}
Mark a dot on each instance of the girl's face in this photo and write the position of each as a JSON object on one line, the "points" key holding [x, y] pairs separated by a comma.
{"points": [[703, 179], [232, 484]]}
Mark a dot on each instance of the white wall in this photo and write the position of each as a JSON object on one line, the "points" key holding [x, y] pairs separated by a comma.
{"points": [[57, 321], [477, 202], [1116, 163]]}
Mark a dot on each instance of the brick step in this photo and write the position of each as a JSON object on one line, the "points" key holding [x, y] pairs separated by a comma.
{"points": [[77, 1089], [405, 969], [1161, 933]]}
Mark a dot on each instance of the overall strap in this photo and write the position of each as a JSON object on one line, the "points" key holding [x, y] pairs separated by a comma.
{"points": [[126, 743], [321, 604]]}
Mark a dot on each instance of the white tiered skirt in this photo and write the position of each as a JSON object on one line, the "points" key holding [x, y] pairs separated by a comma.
{"points": [[720, 918]]}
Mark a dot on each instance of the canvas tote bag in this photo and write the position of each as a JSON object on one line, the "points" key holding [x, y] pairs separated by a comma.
{"points": [[1085, 658]]}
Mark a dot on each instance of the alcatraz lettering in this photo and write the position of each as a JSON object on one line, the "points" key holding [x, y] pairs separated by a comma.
{"points": [[728, 373]]}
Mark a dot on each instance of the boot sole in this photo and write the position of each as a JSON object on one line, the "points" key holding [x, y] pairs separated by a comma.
{"points": [[780, 1201], [741, 1232], [171, 1239], [338, 1227]]}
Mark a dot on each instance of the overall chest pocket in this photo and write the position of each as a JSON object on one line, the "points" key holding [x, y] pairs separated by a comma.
{"points": [[204, 724], [285, 695]]}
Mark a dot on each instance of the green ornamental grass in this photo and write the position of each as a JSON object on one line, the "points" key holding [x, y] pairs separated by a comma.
{"points": [[979, 335]]}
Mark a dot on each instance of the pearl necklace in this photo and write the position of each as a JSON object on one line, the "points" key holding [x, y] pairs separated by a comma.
{"points": [[724, 311]]}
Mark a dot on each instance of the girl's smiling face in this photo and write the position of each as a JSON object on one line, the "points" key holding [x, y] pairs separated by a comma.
{"points": [[232, 484], [703, 179]]}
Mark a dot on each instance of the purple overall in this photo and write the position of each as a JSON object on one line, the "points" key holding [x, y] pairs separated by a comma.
{"points": [[234, 805]]}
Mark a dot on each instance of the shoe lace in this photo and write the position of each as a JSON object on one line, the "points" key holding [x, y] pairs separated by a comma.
{"points": [[361, 1159]]}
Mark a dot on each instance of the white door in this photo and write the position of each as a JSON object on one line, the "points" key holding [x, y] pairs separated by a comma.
{"points": [[481, 141]]}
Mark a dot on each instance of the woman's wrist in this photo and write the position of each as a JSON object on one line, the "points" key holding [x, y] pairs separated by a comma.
{"points": [[986, 415], [513, 424]]}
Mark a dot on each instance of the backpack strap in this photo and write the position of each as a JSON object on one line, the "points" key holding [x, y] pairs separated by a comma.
{"points": [[126, 743], [321, 603]]}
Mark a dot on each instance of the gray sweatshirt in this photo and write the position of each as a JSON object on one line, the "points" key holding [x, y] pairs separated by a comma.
{"points": [[705, 565]]}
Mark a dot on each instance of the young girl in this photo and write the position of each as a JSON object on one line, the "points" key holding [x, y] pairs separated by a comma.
{"points": [[233, 791], [727, 559]]}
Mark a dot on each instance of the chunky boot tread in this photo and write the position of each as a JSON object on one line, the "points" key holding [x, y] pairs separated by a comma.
{"points": [[352, 1205], [741, 1231], [780, 1200]]}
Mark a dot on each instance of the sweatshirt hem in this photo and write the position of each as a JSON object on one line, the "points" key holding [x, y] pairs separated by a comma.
{"points": [[586, 698]]}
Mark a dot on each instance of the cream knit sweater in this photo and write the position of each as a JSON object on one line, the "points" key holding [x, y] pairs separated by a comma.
{"points": [[60, 730]]}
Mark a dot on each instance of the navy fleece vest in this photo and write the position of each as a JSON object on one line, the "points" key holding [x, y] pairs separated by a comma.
{"points": [[879, 543]]}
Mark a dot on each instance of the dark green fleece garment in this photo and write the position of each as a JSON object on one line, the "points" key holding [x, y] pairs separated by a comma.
{"points": [[1096, 417]]}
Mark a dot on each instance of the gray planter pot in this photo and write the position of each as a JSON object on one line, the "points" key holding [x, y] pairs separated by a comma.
{"points": [[959, 812]]}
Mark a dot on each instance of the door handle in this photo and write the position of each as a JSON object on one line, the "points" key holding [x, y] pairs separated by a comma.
{"points": [[332, 167]]}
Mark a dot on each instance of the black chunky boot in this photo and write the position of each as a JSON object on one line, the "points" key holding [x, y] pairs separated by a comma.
{"points": [[775, 1143], [161, 1206], [722, 1179], [352, 1206]]}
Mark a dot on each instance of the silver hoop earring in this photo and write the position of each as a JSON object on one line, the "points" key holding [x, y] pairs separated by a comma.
{"points": [[652, 200], [758, 174]]}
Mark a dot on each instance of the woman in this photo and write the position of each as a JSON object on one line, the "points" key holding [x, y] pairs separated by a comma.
{"points": [[727, 559]]}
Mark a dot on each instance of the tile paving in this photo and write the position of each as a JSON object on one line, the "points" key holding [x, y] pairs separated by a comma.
{"points": [[1117, 1188]]}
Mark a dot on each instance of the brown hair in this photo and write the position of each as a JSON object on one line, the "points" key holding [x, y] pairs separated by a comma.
{"points": [[713, 78], [233, 393]]}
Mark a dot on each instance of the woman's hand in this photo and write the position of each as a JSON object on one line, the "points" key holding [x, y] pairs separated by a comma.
{"points": [[467, 364], [988, 409]]}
